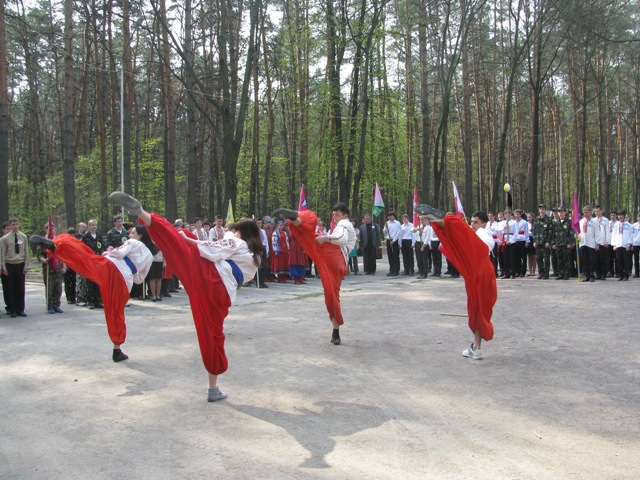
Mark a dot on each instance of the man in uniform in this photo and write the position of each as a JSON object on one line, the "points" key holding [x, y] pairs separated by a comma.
{"points": [[562, 244], [554, 254], [14, 264], [542, 235], [117, 235]]}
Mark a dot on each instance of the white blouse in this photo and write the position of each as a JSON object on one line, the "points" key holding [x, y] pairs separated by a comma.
{"points": [[139, 255]]}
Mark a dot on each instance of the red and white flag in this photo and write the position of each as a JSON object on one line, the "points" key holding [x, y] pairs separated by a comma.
{"points": [[458, 202], [302, 203]]}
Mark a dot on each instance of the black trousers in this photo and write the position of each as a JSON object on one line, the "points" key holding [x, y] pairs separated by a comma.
{"points": [[587, 260], [393, 253], [601, 267], [369, 258], [15, 287], [623, 262], [518, 259], [407, 256], [419, 258], [436, 257]]}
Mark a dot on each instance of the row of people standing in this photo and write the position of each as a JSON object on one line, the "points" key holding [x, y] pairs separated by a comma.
{"points": [[420, 240], [548, 243]]}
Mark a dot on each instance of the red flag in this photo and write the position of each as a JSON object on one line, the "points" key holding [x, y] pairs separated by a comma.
{"points": [[458, 202], [53, 263], [302, 203], [575, 214], [416, 220]]}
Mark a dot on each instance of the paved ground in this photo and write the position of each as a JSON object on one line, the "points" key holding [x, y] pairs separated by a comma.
{"points": [[557, 395]]}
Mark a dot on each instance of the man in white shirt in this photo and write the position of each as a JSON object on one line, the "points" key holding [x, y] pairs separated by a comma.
{"points": [[636, 248], [587, 244], [423, 251], [603, 240], [622, 241], [493, 226], [392, 231], [509, 235], [406, 245], [518, 251]]}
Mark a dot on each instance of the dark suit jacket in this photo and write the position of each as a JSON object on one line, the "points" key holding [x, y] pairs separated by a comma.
{"points": [[364, 238]]}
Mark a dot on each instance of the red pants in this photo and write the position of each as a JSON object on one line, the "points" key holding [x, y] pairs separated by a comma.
{"points": [[469, 255], [328, 259], [207, 294], [115, 294]]}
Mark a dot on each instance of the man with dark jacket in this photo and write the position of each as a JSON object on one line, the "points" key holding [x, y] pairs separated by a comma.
{"points": [[369, 241]]}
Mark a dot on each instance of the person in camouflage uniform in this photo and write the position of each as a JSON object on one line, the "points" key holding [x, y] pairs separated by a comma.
{"points": [[562, 243], [94, 240], [542, 236], [52, 273], [118, 234]]}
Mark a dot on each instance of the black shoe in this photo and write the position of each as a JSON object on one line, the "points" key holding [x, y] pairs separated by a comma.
{"points": [[118, 356], [591, 279], [263, 285], [540, 276], [168, 295], [429, 211], [565, 277], [22, 314], [285, 213], [623, 278], [335, 337], [512, 277], [127, 202], [99, 305], [13, 315], [560, 277], [586, 279], [545, 277], [404, 273], [619, 279], [38, 241]]}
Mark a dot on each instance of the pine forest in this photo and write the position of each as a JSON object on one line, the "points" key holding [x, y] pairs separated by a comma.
{"points": [[189, 105]]}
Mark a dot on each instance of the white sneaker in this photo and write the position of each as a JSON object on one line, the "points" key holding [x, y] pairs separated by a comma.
{"points": [[214, 394], [471, 353]]}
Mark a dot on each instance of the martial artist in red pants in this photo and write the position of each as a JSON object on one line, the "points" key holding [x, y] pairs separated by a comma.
{"points": [[113, 274], [329, 253], [469, 251], [210, 292]]}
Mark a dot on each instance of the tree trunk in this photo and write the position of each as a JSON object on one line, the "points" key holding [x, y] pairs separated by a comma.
{"points": [[4, 118], [69, 160]]}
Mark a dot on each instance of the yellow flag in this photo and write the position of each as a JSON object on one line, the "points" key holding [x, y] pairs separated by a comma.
{"points": [[229, 218]]}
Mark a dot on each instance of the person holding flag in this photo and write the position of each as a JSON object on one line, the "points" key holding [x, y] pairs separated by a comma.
{"points": [[52, 272], [469, 249]]}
